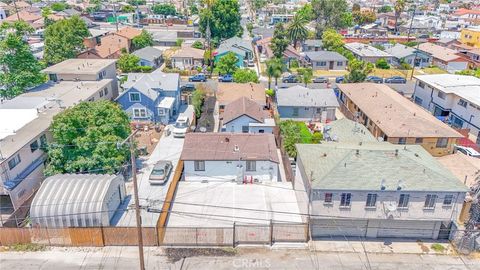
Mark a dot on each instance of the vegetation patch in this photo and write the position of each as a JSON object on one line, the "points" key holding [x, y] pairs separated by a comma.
{"points": [[294, 132], [176, 254], [438, 247], [30, 247]]}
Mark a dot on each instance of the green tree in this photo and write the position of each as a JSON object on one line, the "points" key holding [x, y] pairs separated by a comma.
{"points": [[330, 14], [164, 9], [358, 71], [244, 75], [223, 17], [306, 12], [297, 29], [470, 72], [249, 27], [227, 64], [193, 9], [128, 62], [197, 45], [258, 4], [382, 64], [274, 69], [198, 96], [137, 2], [128, 9], [20, 69], [364, 17], [64, 39], [332, 41], [280, 41], [58, 6], [179, 42], [46, 12], [143, 40], [385, 9], [306, 75], [399, 7], [86, 138]]}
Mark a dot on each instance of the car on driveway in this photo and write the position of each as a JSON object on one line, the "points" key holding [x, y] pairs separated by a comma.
{"points": [[225, 78], [160, 172], [374, 79], [290, 79], [188, 87], [198, 78], [320, 80], [396, 79], [340, 79], [467, 151]]}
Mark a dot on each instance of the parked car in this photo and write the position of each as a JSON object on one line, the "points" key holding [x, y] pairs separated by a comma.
{"points": [[188, 87], [374, 79], [160, 172], [340, 79], [198, 78], [320, 80], [250, 63], [290, 79], [181, 126], [396, 79], [225, 78], [467, 151]]}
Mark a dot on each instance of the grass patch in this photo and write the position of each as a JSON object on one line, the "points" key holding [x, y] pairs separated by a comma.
{"points": [[387, 73], [294, 132], [30, 247], [437, 247], [433, 70], [329, 73], [305, 135]]}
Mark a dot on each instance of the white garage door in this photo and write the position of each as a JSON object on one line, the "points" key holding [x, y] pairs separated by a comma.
{"points": [[338, 227], [406, 228]]}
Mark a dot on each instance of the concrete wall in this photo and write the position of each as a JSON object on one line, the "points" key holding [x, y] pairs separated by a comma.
{"points": [[228, 171], [307, 113]]}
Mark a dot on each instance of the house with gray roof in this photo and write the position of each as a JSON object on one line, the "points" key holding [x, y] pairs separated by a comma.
{"points": [[367, 53], [151, 97], [326, 60], [244, 115], [241, 48], [346, 130], [149, 56], [405, 54], [376, 189], [312, 45], [304, 104]]}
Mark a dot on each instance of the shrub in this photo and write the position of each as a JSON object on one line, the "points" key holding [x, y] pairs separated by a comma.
{"points": [[197, 45], [438, 247], [270, 92], [382, 64], [198, 96], [294, 63], [317, 137]]}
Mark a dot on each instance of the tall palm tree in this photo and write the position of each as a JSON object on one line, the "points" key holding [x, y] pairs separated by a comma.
{"points": [[297, 30], [274, 70], [399, 8]]}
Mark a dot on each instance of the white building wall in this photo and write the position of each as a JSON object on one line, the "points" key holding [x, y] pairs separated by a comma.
{"points": [[237, 124], [229, 170]]}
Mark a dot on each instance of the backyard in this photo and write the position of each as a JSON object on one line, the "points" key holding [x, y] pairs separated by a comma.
{"points": [[294, 132]]}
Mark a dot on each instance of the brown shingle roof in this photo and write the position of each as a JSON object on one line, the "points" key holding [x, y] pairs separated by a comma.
{"points": [[439, 52], [395, 115], [244, 106], [229, 146], [189, 52], [26, 16], [228, 92], [129, 32]]}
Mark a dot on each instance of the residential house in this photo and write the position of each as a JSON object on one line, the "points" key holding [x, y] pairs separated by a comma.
{"points": [[187, 58], [289, 54], [95, 38], [471, 36], [29, 17], [226, 157], [326, 60], [240, 47], [376, 190], [346, 130], [301, 103], [229, 92], [447, 42], [470, 15], [452, 97], [393, 118], [474, 56], [404, 54], [149, 56], [247, 116], [85, 70], [25, 136], [312, 45], [423, 24], [367, 53], [112, 45], [445, 58], [151, 97]]}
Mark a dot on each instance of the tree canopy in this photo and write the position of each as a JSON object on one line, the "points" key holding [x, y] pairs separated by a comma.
{"points": [[59, 6], [128, 9], [274, 69], [86, 138], [245, 75], [227, 64], [143, 40], [306, 75], [358, 71], [280, 41], [128, 62], [331, 14], [164, 9], [64, 39], [20, 69], [297, 29], [223, 17]]}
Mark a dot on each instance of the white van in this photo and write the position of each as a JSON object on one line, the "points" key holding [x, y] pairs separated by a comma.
{"points": [[181, 127]]}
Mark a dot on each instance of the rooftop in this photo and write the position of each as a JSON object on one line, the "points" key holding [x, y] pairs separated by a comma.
{"points": [[228, 92], [395, 115], [466, 87], [80, 66], [148, 53], [465, 168], [244, 106], [129, 32], [189, 52], [299, 96], [437, 51], [346, 130], [365, 50], [325, 56], [351, 166], [400, 51], [149, 83]]}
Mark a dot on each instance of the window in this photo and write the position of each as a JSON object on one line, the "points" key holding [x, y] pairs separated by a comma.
{"points": [[345, 200], [161, 111], [43, 141], [418, 101], [34, 146], [421, 84], [441, 95], [199, 165], [245, 129], [251, 165], [141, 112], [53, 77], [430, 201], [448, 200], [442, 142], [402, 140], [419, 140], [105, 91], [12, 163], [328, 198], [101, 93], [371, 200], [403, 201], [321, 64], [339, 63], [134, 97], [295, 112], [462, 103]]}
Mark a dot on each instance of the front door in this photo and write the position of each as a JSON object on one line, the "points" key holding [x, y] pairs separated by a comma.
{"points": [[330, 65]]}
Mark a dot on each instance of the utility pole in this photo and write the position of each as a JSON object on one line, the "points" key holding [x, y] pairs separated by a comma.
{"points": [[115, 15], [16, 9], [130, 140]]}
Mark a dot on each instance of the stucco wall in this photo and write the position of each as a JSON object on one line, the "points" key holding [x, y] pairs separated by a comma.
{"points": [[228, 171]]}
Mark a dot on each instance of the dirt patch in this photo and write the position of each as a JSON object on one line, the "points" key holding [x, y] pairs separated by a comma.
{"points": [[147, 138], [425, 249], [206, 121], [176, 254]]}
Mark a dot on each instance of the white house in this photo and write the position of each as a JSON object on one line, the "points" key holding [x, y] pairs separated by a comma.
{"points": [[367, 53], [239, 157], [454, 97], [247, 116], [376, 189]]}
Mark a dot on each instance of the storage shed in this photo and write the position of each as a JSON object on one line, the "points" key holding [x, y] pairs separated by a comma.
{"points": [[77, 200]]}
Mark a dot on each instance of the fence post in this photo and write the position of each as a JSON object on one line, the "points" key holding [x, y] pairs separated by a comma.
{"points": [[233, 244], [48, 237], [103, 236], [196, 236], [271, 232]]}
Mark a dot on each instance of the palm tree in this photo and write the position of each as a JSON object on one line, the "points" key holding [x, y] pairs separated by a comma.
{"points": [[274, 69], [399, 8], [306, 75], [297, 30]]}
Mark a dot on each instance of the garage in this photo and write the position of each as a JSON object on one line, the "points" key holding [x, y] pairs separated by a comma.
{"points": [[406, 228], [338, 227]]}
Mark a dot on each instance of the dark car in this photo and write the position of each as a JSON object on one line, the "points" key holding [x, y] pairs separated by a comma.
{"points": [[198, 78], [188, 87], [374, 79], [320, 80], [225, 78], [396, 79], [340, 79], [290, 79]]}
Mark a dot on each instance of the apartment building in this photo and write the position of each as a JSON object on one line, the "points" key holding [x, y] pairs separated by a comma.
{"points": [[455, 98], [391, 117], [471, 36]]}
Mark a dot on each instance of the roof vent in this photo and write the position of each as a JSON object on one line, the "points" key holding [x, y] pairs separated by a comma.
{"points": [[227, 139], [236, 148], [396, 152], [357, 152], [400, 185], [382, 184]]}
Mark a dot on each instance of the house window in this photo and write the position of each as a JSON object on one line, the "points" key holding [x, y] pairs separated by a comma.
{"points": [[245, 129], [328, 198], [105, 91], [371, 200], [418, 101], [161, 111], [403, 201], [43, 141], [295, 112], [199, 165], [141, 112], [101, 93], [430, 201], [12, 163], [251, 165], [442, 142], [134, 97], [402, 140], [421, 84], [53, 77], [34, 146], [448, 200], [339, 63], [321, 64], [345, 200], [462, 103], [441, 95], [419, 140]]}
